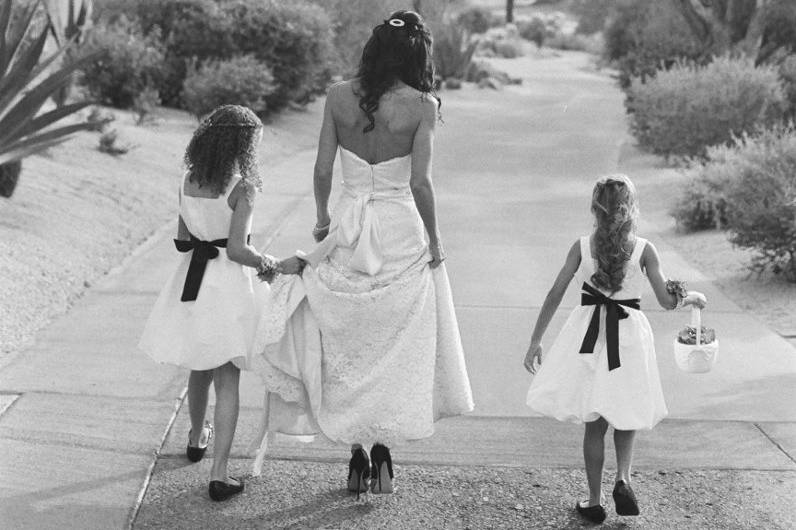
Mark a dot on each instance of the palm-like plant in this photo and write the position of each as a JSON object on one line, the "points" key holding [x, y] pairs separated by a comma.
{"points": [[26, 82]]}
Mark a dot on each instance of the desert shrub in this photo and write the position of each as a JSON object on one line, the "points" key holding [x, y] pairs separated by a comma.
{"points": [[352, 23], [642, 37], [130, 64], [294, 39], [239, 81], [702, 202], [576, 41], [534, 30], [787, 73], [761, 200], [592, 15], [502, 42], [453, 51], [477, 20], [682, 111], [144, 105], [188, 29]]}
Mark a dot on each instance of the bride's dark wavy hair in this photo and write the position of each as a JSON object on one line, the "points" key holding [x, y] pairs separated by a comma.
{"points": [[615, 210], [395, 52], [225, 142]]}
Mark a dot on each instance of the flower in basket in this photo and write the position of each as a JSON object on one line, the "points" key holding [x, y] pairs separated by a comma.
{"points": [[688, 335]]}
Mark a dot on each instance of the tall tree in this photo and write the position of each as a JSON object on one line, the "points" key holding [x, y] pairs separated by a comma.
{"points": [[509, 11], [757, 28]]}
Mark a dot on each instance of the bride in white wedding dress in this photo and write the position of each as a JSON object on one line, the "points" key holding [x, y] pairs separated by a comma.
{"points": [[365, 346]]}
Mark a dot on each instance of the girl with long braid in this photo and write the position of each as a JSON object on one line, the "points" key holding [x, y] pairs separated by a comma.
{"points": [[601, 370]]}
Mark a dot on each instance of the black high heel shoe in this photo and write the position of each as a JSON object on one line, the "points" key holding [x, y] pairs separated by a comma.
{"points": [[358, 470], [221, 491], [195, 454], [381, 475]]}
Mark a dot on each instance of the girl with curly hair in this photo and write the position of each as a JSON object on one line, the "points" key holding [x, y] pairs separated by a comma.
{"points": [[601, 370], [205, 315], [378, 302]]}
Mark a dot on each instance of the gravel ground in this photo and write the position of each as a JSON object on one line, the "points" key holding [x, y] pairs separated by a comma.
{"points": [[77, 213], [311, 495]]}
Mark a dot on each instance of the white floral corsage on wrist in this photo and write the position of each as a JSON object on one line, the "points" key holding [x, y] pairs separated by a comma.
{"points": [[268, 268], [678, 289]]}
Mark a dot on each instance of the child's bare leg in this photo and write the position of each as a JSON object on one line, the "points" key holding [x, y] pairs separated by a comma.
{"points": [[594, 455], [198, 388], [226, 380], [623, 441]]}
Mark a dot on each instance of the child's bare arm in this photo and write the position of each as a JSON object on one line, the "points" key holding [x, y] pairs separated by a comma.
{"points": [[556, 293], [651, 264], [238, 248], [550, 305]]}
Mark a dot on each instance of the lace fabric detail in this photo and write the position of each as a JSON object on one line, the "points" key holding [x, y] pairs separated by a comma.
{"points": [[392, 361]]}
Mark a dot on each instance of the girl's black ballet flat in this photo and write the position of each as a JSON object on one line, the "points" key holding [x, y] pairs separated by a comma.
{"points": [[195, 454], [595, 514], [221, 491], [625, 499]]}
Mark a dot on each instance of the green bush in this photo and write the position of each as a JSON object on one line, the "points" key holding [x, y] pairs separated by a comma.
{"points": [[352, 24], [295, 39], [642, 37], [534, 30], [502, 42], [477, 20], [702, 203], [239, 81], [748, 189], [576, 41], [684, 110], [189, 30], [131, 62], [453, 51], [592, 15], [761, 201]]}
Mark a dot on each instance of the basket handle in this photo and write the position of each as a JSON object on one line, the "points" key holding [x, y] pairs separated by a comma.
{"points": [[696, 321]]}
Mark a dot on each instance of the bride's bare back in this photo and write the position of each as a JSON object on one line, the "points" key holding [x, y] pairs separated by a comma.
{"points": [[397, 118]]}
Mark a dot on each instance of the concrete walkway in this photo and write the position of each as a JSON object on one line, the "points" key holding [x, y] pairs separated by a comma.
{"points": [[513, 174]]}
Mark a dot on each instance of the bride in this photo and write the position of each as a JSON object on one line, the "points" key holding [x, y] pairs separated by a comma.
{"points": [[365, 346]]}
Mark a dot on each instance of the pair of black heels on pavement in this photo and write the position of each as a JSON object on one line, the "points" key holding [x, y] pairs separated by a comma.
{"points": [[218, 489], [624, 500], [374, 473]]}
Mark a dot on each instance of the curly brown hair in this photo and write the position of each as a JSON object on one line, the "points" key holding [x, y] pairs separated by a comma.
{"points": [[615, 210], [397, 50], [225, 142]]}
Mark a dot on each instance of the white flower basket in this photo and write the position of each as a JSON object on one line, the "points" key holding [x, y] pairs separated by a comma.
{"points": [[696, 358]]}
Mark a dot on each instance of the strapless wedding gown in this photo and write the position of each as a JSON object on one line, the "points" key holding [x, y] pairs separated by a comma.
{"points": [[365, 345]]}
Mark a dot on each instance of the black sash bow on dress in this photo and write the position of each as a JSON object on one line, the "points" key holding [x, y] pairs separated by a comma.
{"points": [[203, 251], [614, 312]]}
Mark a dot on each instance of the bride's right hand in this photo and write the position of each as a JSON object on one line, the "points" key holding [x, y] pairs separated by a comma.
{"points": [[533, 358], [437, 255]]}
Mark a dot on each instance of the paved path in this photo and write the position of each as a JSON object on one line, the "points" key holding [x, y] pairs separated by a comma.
{"points": [[513, 175]]}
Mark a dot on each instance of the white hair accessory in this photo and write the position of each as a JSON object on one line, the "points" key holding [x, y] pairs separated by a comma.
{"points": [[396, 23]]}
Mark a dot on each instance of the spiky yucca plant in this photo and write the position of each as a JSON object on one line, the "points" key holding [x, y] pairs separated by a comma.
{"points": [[69, 18], [27, 80]]}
